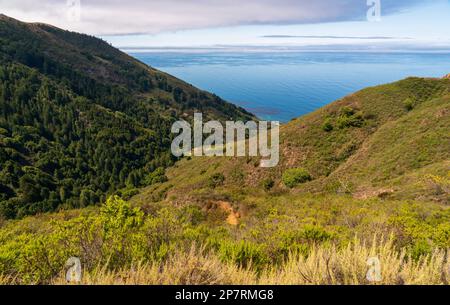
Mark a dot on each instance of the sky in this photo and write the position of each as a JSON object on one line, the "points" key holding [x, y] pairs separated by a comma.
{"points": [[250, 24]]}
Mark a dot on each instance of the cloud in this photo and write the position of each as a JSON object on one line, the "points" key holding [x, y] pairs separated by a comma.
{"points": [[335, 37], [102, 17]]}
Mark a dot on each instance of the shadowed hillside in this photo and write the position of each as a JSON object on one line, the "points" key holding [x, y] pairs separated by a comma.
{"points": [[79, 119]]}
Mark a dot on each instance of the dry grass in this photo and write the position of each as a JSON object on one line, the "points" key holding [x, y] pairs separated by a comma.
{"points": [[190, 268], [323, 266], [348, 266]]}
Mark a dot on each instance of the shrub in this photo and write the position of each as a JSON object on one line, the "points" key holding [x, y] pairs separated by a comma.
{"points": [[216, 180], [347, 111], [158, 176], [408, 104], [117, 213], [419, 249], [350, 121], [349, 118], [244, 254], [128, 193], [316, 234], [327, 125], [267, 184], [295, 176]]}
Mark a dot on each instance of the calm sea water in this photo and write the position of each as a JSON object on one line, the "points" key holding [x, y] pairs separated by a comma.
{"points": [[282, 86]]}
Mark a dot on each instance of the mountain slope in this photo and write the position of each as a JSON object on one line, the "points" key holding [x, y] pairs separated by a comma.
{"points": [[365, 154], [391, 141], [92, 68], [415, 145], [80, 119]]}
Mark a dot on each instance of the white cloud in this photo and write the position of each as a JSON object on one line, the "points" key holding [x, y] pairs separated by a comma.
{"points": [[101, 17]]}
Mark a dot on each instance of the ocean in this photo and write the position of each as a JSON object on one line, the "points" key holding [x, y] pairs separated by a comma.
{"points": [[284, 85]]}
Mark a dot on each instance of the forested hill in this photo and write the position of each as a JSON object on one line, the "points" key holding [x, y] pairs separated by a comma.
{"points": [[92, 68], [80, 120]]}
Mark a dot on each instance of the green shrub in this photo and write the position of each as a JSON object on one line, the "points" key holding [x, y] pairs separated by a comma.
{"points": [[316, 234], [244, 254], [408, 104], [420, 249], [351, 121], [157, 176], [347, 111], [327, 125], [128, 193], [216, 180], [118, 215], [267, 184], [295, 176], [349, 118]]}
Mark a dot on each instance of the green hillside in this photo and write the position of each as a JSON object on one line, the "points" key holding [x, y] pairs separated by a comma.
{"points": [[366, 176], [390, 141], [80, 120]]}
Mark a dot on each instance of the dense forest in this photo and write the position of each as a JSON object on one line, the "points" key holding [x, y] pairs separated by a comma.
{"points": [[80, 120]]}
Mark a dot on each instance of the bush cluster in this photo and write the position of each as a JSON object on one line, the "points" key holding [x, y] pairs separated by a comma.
{"points": [[295, 176]]}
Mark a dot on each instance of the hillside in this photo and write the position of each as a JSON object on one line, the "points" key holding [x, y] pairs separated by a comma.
{"points": [[80, 120], [390, 141], [366, 176], [92, 68]]}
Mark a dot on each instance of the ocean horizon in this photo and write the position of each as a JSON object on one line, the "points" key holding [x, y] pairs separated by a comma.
{"points": [[284, 85]]}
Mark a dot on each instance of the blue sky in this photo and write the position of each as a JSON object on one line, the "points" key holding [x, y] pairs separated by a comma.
{"points": [[318, 24]]}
